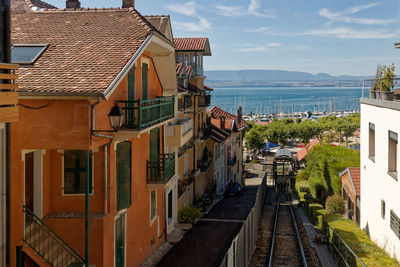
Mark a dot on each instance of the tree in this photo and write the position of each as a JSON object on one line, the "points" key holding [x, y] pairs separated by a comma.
{"points": [[307, 130], [279, 131], [255, 139]]}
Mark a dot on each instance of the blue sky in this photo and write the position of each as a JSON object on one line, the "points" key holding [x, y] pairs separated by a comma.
{"points": [[335, 37]]}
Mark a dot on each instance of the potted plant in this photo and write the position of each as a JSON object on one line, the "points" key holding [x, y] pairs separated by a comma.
{"points": [[387, 82], [374, 86]]}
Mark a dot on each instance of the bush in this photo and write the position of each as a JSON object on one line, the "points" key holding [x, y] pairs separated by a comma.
{"points": [[334, 204], [189, 214], [302, 186]]}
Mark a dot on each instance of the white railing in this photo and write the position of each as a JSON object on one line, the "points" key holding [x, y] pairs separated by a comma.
{"points": [[187, 126]]}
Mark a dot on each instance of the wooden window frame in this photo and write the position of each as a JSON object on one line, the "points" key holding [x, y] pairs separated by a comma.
{"points": [[91, 193]]}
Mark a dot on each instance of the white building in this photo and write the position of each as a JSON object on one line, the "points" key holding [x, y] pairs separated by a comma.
{"points": [[380, 185]]}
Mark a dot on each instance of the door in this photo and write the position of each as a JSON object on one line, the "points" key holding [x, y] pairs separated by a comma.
{"points": [[120, 241], [130, 114], [154, 153], [123, 175]]}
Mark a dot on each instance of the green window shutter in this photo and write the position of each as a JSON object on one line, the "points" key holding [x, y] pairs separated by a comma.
{"points": [[124, 166], [75, 171], [154, 144], [145, 81], [120, 241], [131, 96]]}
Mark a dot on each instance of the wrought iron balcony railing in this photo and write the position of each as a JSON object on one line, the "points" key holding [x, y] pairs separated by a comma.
{"points": [[141, 114], [204, 101], [161, 171]]}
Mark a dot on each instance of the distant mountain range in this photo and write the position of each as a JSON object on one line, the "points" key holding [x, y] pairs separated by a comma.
{"points": [[278, 78]]}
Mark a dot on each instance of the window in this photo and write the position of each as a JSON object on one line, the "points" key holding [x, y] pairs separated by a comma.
{"points": [[371, 152], [77, 164], [124, 169], [392, 154], [383, 211], [120, 242], [26, 54], [395, 223], [153, 205]]}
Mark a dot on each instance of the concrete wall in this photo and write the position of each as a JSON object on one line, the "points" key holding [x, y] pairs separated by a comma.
{"points": [[376, 183]]}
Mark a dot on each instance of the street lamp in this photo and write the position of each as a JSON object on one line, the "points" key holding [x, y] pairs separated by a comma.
{"points": [[116, 117]]}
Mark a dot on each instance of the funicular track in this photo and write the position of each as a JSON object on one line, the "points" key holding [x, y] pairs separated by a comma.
{"points": [[285, 251], [286, 246]]}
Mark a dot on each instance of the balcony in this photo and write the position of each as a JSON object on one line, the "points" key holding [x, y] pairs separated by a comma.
{"points": [[178, 133], [185, 103], [205, 133], [204, 101], [8, 94], [144, 114], [232, 160], [161, 171]]}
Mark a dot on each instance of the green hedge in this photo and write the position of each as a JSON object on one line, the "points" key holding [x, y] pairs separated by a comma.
{"points": [[352, 235]]}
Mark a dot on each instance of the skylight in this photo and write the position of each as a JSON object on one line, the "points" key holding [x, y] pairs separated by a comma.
{"points": [[27, 54]]}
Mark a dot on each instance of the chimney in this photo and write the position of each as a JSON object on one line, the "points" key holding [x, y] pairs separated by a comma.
{"points": [[239, 115], [128, 3], [222, 123], [73, 4]]}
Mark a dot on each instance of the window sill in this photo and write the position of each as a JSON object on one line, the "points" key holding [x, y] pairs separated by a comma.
{"points": [[393, 175], [372, 158]]}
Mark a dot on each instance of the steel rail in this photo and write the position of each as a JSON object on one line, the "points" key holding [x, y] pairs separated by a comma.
{"points": [[271, 253], [303, 257]]}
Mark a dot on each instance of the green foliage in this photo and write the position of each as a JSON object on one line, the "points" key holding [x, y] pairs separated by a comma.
{"points": [[189, 214], [280, 131], [303, 176], [324, 162], [306, 130], [386, 76], [302, 186], [255, 138], [334, 204], [298, 120]]}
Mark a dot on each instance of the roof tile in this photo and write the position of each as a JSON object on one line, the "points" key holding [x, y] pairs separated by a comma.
{"points": [[190, 44], [217, 113]]}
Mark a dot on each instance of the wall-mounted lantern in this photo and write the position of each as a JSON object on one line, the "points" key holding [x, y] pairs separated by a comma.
{"points": [[116, 117]]}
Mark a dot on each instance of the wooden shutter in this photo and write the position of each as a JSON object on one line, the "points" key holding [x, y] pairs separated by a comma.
{"points": [[120, 241], [130, 115], [123, 175], [75, 171], [145, 81], [154, 144]]}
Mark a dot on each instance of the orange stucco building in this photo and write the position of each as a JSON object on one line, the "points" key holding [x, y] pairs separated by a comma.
{"points": [[92, 63]]}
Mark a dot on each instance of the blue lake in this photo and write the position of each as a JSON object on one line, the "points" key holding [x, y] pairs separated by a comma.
{"points": [[287, 99]]}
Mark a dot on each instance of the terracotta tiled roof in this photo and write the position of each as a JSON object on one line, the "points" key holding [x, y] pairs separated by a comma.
{"points": [[160, 22], [188, 70], [178, 68], [190, 44], [262, 123], [355, 176], [217, 134], [29, 5], [87, 48], [216, 114], [304, 151]]}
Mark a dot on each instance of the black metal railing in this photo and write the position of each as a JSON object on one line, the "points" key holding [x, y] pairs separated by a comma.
{"points": [[161, 171], [141, 114], [204, 101], [206, 132], [341, 251], [47, 244]]}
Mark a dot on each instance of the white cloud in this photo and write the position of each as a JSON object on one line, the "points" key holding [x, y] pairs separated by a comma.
{"points": [[239, 11], [346, 33], [230, 11], [273, 44], [201, 26], [251, 49], [343, 16], [188, 9]]}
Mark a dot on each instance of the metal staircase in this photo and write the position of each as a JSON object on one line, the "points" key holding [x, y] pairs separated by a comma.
{"points": [[47, 244]]}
